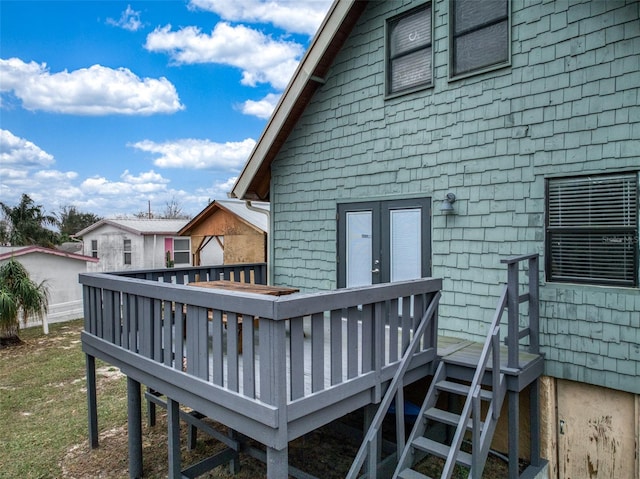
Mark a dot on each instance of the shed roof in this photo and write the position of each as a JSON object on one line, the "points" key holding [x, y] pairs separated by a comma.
{"points": [[10, 252], [253, 182], [140, 226], [256, 219]]}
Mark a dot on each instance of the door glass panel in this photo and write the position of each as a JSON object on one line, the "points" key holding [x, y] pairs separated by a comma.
{"points": [[406, 244], [359, 250]]}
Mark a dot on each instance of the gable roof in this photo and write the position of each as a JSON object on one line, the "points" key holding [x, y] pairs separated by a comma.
{"points": [[8, 253], [253, 182], [255, 219], [140, 226]]}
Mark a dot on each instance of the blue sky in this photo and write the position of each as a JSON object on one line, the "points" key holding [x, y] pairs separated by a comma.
{"points": [[109, 105]]}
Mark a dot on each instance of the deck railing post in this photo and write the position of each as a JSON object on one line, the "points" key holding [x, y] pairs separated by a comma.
{"points": [[534, 307], [513, 306], [273, 390]]}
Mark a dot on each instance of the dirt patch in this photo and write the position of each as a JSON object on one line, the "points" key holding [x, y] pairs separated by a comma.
{"points": [[326, 453]]}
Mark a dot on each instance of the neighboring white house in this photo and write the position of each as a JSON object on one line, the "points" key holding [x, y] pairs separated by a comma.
{"points": [[128, 244], [59, 269]]}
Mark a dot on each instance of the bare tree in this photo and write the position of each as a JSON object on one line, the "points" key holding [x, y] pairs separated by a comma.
{"points": [[173, 210]]}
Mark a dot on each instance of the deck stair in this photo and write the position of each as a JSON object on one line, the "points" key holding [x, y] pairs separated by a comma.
{"points": [[469, 420], [484, 381]]}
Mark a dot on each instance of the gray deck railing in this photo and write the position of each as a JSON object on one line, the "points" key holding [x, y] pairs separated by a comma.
{"points": [[302, 352], [513, 301], [249, 273]]}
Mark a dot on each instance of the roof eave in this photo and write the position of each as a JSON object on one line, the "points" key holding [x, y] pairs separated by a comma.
{"points": [[253, 182]]}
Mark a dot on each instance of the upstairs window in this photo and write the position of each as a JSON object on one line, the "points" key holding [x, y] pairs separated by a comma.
{"points": [[94, 248], [127, 251], [479, 35], [409, 50], [592, 229]]}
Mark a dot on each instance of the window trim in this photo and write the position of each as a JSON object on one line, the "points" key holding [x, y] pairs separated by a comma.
{"points": [[94, 248], [127, 242], [632, 231], [387, 53], [488, 68], [188, 250]]}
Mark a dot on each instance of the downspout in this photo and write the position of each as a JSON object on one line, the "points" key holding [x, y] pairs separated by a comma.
{"points": [[268, 213]]}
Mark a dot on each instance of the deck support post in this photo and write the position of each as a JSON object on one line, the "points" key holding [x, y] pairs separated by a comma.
{"points": [[234, 464], [134, 423], [173, 436], [277, 463], [151, 409], [373, 457], [534, 421], [92, 402], [514, 439]]}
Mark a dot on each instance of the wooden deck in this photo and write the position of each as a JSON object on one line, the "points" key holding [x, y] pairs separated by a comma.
{"points": [[307, 359], [466, 354]]}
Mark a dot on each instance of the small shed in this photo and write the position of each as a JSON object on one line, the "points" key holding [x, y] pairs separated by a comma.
{"points": [[238, 228], [60, 270]]}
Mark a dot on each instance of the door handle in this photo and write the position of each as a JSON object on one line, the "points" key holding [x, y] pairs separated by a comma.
{"points": [[377, 270]]}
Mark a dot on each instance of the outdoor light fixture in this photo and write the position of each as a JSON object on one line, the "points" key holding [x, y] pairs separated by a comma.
{"points": [[447, 204]]}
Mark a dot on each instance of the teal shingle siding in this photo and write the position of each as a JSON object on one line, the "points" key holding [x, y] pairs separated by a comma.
{"points": [[567, 105]]}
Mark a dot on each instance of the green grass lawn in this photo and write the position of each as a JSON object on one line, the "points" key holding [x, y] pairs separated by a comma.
{"points": [[43, 422], [43, 404]]}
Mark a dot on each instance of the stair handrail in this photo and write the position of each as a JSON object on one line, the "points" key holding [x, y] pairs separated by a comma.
{"points": [[396, 382], [510, 298], [492, 338]]}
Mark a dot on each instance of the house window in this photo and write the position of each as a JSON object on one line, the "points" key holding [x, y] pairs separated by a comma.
{"points": [[409, 50], [127, 251], [479, 37], [94, 248], [181, 251], [592, 229]]}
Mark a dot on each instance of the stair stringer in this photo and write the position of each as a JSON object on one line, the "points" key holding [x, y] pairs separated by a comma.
{"points": [[489, 427], [407, 459], [485, 430]]}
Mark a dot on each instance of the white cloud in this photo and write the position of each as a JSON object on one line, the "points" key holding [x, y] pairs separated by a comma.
{"points": [[21, 153], [292, 16], [149, 177], [261, 58], [26, 168], [198, 154], [95, 91], [129, 20], [225, 186], [130, 186], [261, 108]]}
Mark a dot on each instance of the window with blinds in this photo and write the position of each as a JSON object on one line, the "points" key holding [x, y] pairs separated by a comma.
{"points": [[409, 50], [592, 229], [479, 35]]}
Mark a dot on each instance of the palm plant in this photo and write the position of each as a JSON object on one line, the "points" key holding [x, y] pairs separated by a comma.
{"points": [[26, 224], [19, 295]]}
